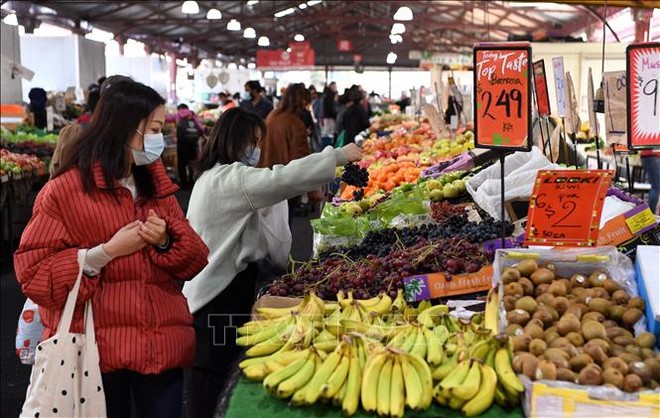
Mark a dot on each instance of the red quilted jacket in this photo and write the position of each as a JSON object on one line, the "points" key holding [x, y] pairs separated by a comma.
{"points": [[141, 318]]}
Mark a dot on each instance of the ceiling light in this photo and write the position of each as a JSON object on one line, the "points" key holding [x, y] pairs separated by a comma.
{"points": [[395, 39], [252, 2], [252, 66], [302, 6], [299, 37], [234, 25], [11, 20], [263, 41], [213, 14], [288, 49], [249, 33], [232, 66], [391, 58], [398, 29], [190, 7], [285, 12], [404, 14], [313, 2]]}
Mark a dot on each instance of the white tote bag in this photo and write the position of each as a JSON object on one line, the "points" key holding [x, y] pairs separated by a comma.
{"points": [[66, 377]]}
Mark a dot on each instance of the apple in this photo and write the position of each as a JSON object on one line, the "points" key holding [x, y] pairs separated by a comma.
{"points": [[450, 191], [436, 194]]}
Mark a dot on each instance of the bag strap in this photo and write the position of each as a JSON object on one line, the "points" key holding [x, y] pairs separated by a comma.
{"points": [[70, 306]]}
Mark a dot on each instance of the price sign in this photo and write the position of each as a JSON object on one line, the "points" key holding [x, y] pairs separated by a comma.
{"points": [[503, 96], [565, 207], [614, 89], [643, 94], [572, 117], [560, 84], [541, 88], [593, 122]]}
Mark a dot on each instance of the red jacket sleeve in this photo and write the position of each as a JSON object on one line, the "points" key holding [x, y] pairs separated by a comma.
{"points": [[187, 254], [46, 261]]}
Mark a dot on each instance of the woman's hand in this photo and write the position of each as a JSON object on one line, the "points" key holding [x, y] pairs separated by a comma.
{"points": [[126, 241], [154, 231], [352, 152]]}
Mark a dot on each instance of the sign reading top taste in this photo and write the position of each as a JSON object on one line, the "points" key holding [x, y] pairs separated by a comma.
{"points": [[502, 115]]}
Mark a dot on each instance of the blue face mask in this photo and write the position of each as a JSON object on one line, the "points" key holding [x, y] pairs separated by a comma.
{"points": [[154, 144], [246, 95], [252, 157]]}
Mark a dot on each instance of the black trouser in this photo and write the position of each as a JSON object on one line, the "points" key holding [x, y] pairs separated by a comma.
{"points": [[216, 350], [186, 151], [153, 395]]}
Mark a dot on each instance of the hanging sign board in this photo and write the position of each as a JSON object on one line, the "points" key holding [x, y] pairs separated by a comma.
{"points": [[560, 85], [541, 88], [503, 96], [572, 117], [593, 122], [614, 89], [643, 94], [267, 58], [565, 207]]}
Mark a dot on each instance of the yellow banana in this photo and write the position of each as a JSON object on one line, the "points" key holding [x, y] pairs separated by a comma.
{"points": [[419, 347], [257, 372], [441, 372], [428, 316], [283, 358], [369, 384], [274, 379], [455, 403], [442, 332], [434, 351], [500, 396], [397, 395], [373, 331], [491, 314], [267, 347], [409, 342], [298, 380], [351, 398], [400, 301], [341, 393], [266, 333], [273, 366], [298, 398], [254, 327], [384, 386], [322, 375], [424, 305], [274, 313], [364, 302], [337, 378], [470, 386], [381, 307], [506, 376], [455, 377], [413, 384], [424, 373], [481, 349], [484, 399]]}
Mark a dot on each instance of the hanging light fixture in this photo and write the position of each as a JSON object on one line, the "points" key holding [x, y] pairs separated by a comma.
{"points": [[213, 14], [234, 25], [391, 58], [249, 33], [398, 29], [263, 41], [299, 37], [232, 66], [190, 7], [395, 39], [404, 14], [252, 66]]}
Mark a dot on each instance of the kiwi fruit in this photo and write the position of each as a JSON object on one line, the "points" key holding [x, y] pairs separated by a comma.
{"points": [[557, 288], [604, 345], [577, 309], [510, 275], [608, 323], [544, 315], [629, 358], [537, 322], [527, 285], [637, 303], [593, 329], [578, 280], [596, 353], [514, 329], [647, 353], [534, 330], [632, 383], [631, 317], [620, 297], [550, 336], [518, 316], [615, 332], [559, 362], [613, 377], [654, 366], [600, 305], [624, 340], [546, 370], [566, 282], [540, 289], [611, 286], [575, 338], [599, 292], [545, 299], [580, 361], [577, 291], [593, 316], [527, 303], [616, 312], [513, 289], [566, 375], [616, 363], [653, 385], [590, 375], [642, 370], [551, 353], [634, 349], [509, 303], [520, 342], [616, 349], [645, 340], [560, 303], [537, 347], [563, 344], [597, 279], [541, 276], [567, 324], [524, 362], [526, 267]]}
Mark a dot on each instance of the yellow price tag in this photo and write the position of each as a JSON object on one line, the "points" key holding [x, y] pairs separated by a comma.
{"points": [[640, 220]]}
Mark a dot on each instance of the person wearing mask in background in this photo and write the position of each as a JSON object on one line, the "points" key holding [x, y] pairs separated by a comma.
{"points": [[226, 102], [38, 102], [112, 197], [329, 114], [651, 164], [254, 102], [355, 119], [188, 131], [225, 207]]}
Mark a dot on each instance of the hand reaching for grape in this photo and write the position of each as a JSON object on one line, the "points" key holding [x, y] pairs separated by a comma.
{"points": [[352, 153]]}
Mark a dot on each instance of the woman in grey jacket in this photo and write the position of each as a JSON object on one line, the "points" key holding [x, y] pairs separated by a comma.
{"points": [[224, 211]]}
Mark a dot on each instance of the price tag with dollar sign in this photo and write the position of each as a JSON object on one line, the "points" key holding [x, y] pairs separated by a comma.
{"points": [[643, 74]]}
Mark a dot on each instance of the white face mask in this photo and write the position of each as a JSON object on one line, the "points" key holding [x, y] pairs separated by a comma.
{"points": [[252, 157], [246, 95], [154, 144]]}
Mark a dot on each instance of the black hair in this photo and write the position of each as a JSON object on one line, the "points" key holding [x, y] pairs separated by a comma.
{"points": [[182, 106], [235, 132], [93, 99], [101, 80], [254, 85], [236, 96], [120, 110]]}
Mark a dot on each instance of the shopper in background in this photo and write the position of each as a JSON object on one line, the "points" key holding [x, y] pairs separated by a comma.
{"points": [[355, 119], [329, 114], [112, 197], [226, 102], [254, 102], [651, 164], [225, 208], [92, 99], [189, 130], [38, 102], [317, 110]]}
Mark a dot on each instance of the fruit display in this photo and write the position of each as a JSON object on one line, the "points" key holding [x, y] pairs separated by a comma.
{"points": [[34, 142], [19, 163], [578, 329], [380, 354]]}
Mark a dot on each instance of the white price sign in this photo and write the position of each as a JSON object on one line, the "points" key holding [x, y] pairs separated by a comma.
{"points": [[593, 122], [560, 84], [614, 88], [643, 73]]}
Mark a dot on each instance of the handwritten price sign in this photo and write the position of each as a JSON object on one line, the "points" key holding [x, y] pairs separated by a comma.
{"points": [[541, 88], [502, 96], [643, 73], [565, 207], [560, 85], [614, 86]]}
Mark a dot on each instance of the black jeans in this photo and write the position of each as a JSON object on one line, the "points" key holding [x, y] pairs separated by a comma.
{"points": [[153, 395], [186, 153], [216, 353]]}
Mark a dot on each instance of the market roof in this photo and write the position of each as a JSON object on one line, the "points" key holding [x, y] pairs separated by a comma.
{"points": [[438, 26]]}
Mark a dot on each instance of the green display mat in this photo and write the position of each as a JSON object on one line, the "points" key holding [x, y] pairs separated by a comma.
{"points": [[249, 400]]}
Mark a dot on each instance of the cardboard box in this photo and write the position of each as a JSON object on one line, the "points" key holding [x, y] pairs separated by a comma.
{"points": [[629, 225]]}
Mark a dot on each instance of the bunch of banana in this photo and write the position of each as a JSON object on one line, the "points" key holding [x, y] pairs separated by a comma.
{"points": [[259, 368], [292, 331], [392, 380], [431, 316], [491, 314], [509, 386], [380, 304], [289, 379], [311, 305], [419, 340]]}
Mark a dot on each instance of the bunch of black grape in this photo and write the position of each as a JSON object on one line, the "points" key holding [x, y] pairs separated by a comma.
{"points": [[355, 176], [358, 194]]}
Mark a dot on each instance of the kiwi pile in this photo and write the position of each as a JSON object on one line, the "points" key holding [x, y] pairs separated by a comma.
{"points": [[577, 329]]}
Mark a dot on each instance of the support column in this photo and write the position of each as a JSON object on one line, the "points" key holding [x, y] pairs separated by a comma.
{"points": [[173, 70], [642, 18], [120, 40]]}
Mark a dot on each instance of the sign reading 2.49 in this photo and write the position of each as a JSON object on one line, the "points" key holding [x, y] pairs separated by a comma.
{"points": [[643, 91], [503, 96]]}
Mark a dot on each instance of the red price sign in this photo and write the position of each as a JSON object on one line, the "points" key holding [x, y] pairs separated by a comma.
{"points": [[503, 96], [643, 91], [541, 88], [565, 207]]}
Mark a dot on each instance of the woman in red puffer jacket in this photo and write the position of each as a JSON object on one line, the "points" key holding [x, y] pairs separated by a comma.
{"points": [[112, 197]]}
